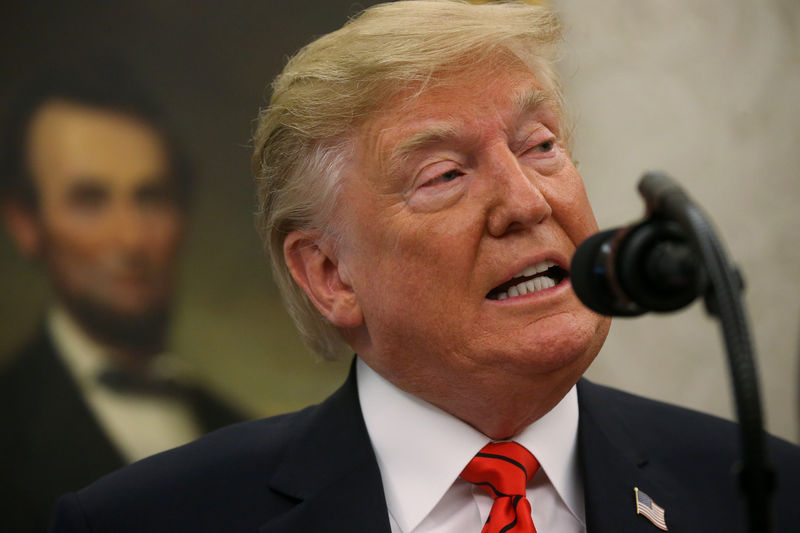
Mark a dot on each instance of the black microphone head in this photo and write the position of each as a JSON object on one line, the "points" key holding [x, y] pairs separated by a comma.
{"points": [[591, 272], [657, 267]]}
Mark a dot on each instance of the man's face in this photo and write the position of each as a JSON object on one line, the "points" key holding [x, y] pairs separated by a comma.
{"points": [[452, 198], [108, 221]]}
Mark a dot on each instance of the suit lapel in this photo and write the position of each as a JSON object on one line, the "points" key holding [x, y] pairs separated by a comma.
{"points": [[331, 471], [64, 412], [613, 462], [41, 402]]}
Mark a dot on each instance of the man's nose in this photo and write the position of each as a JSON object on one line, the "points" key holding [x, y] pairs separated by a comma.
{"points": [[517, 201], [129, 228]]}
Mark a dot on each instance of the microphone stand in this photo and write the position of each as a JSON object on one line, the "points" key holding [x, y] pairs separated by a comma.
{"points": [[665, 199]]}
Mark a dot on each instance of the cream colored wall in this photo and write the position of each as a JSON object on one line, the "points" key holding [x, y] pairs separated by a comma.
{"points": [[707, 91]]}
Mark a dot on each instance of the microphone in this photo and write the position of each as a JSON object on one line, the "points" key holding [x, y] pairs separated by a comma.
{"points": [[647, 266]]}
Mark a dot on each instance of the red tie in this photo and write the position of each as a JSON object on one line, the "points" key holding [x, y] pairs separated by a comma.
{"points": [[502, 469]]}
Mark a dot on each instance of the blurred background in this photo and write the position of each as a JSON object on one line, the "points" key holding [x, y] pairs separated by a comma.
{"points": [[705, 91]]}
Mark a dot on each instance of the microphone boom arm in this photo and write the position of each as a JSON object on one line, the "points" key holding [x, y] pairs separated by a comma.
{"points": [[662, 264], [663, 197]]}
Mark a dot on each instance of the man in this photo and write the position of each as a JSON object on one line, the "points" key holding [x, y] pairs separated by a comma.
{"points": [[421, 209], [94, 190]]}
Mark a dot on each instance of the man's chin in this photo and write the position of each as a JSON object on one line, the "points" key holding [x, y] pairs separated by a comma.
{"points": [[554, 352]]}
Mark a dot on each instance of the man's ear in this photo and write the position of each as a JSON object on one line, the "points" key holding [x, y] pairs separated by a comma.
{"points": [[23, 225], [316, 269]]}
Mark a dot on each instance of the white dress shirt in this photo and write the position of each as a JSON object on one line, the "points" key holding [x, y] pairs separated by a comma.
{"points": [[137, 424], [421, 450]]}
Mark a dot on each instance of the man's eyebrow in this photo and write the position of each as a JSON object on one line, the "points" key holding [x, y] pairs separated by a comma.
{"points": [[435, 134], [526, 101], [532, 98], [86, 182]]}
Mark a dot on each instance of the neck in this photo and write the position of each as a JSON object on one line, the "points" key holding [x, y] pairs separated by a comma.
{"points": [[496, 402], [503, 408]]}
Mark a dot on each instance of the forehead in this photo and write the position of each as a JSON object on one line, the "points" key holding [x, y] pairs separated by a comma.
{"points": [[462, 104], [70, 142]]}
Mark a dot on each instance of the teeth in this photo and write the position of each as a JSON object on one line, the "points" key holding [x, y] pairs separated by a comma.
{"points": [[537, 282], [535, 269], [527, 287], [532, 285]]}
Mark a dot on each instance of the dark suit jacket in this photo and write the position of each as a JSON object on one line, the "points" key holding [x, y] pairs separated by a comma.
{"points": [[50, 442], [315, 471]]}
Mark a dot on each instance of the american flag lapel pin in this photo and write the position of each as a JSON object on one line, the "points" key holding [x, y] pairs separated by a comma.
{"points": [[646, 507]]}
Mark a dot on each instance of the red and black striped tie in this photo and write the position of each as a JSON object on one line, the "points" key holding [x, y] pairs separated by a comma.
{"points": [[503, 469]]}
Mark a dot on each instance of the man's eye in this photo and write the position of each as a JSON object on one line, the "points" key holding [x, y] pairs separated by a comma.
{"points": [[450, 175], [87, 197], [445, 177], [546, 146], [155, 195]]}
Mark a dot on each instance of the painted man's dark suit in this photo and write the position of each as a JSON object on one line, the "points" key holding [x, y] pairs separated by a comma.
{"points": [[51, 443], [315, 471]]}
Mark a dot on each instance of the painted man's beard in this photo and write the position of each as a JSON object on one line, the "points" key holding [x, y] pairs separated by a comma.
{"points": [[139, 333]]}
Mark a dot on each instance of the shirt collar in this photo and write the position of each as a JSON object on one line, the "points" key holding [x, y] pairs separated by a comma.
{"points": [[87, 359], [553, 440], [416, 471], [84, 357]]}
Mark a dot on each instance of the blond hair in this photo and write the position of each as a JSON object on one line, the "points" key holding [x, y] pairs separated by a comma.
{"points": [[303, 137]]}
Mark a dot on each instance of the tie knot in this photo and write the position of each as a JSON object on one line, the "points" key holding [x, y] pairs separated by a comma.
{"points": [[501, 469]]}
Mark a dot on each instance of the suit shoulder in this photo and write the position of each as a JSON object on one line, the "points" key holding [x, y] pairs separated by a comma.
{"points": [[26, 378], [220, 478], [251, 445], [25, 363], [247, 451], [234, 479], [683, 433], [602, 401]]}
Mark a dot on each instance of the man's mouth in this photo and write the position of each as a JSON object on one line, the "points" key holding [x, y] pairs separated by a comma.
{"points": [[533, 279]]}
